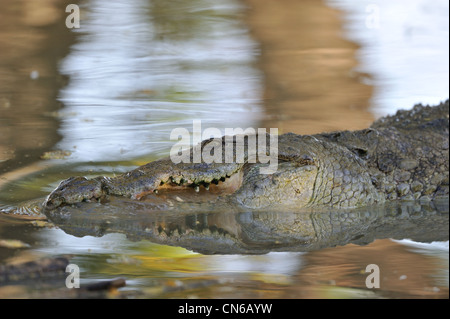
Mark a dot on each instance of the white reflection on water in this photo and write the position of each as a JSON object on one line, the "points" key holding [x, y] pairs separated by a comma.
{"points": [[438, 250], [405, 47], [277, 263], [137, 72]]}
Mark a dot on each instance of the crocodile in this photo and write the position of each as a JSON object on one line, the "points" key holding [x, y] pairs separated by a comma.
{"points": [[403, 156]]}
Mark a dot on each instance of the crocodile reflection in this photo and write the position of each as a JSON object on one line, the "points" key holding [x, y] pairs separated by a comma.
{"points": [[217, 229]]}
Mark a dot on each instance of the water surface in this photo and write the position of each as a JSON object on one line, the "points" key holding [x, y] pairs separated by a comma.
{"points": [[103, 99]]}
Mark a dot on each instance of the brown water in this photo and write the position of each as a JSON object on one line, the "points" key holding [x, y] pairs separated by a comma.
{"points": [[104, 98]]}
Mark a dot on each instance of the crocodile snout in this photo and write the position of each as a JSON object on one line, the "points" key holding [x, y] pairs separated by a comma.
{"points": [[74, 190]]}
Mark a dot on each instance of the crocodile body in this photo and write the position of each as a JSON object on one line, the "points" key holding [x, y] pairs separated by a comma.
{"points": [[404, 156]]}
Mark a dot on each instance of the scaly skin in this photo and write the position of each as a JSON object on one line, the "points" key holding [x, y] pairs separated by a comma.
{"points": [[402, 156]]}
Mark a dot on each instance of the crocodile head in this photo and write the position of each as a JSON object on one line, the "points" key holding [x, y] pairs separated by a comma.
{"points": [[292, 182], [310, 172]]}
